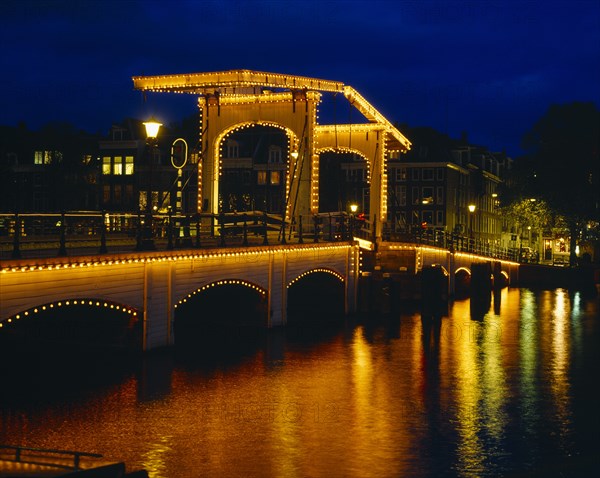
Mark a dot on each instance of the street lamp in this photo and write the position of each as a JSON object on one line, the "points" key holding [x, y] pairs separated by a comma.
{"points": [[152, 128], [472, 208], [353, 209]]}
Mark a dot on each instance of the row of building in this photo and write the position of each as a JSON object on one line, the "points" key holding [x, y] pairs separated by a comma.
{"points": [[441, 184]]}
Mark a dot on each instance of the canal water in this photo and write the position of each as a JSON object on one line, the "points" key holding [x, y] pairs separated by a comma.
{"points": [[512, 393]]}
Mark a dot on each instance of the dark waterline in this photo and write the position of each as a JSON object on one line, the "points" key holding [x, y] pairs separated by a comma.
{"points": [[511, 394]]}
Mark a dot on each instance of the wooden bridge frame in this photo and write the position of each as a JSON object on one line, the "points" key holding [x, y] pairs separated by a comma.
{"points": [[234, 99]]}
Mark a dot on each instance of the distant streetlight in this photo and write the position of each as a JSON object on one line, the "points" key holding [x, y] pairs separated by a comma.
{"points": [[152, 129]]}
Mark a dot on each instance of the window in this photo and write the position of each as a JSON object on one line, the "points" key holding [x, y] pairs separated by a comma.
{"points": [[427, 195], [233, 149], [118, 165], [401, 174], [106, 164], [117, 193], [45, 157], [415, 195], [275, 177], [128, 164], [354, 175], [440, 218], [440, 196], [428, 174], [246, 178], [402, 196], [427, 217], [275, 154], [261, 177]]}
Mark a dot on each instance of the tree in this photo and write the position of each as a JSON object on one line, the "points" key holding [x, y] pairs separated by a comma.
{"points": [[563, 158]]}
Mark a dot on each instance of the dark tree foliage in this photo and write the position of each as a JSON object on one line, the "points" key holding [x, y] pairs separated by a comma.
{"points": [[563, 163]]}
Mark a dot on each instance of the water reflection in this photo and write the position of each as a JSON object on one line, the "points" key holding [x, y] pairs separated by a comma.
{"points": [[504, 393]]}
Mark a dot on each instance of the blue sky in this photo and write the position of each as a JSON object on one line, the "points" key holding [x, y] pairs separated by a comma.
{"points": [[490, 68]]}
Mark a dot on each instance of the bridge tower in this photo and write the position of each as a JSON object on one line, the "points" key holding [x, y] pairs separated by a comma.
{"points": [[229, 100]]}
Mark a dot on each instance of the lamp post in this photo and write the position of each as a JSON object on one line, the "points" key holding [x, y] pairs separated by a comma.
{"points": [[472, 208], [353, 209], [152, 128]]}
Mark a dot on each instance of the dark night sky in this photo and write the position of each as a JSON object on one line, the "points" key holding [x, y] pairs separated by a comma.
{"points": [[490, 68]]}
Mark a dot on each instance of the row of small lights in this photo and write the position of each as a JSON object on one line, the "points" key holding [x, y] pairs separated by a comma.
{"points": [[200, 159], [70, 303], [444, 251], [262, 79], [328, 271], [259, 289], [77, 265]]}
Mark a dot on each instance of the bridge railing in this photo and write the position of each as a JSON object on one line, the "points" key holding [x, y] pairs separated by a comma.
{"points": [[91, 232], [455, 242]]}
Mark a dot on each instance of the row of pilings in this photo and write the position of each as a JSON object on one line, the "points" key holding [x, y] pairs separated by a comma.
{"points": [[385, 292]]}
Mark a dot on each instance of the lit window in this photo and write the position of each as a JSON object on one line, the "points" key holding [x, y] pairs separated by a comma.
{"points": [[106, 165], [38, 157], [275, 177], [118, 165], [261, 177], [128, 164]]}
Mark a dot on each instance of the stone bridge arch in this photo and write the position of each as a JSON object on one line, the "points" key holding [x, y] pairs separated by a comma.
{"points": [[83, 320]]}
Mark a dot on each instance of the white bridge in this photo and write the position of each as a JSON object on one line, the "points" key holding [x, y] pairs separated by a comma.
{"points": [[149, 287]]}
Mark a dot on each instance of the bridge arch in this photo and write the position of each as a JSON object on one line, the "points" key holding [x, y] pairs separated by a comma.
{"points": [[225, 306], [462, 281], [315, 296], [106, 322], [261, 290], [345, 149]]}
